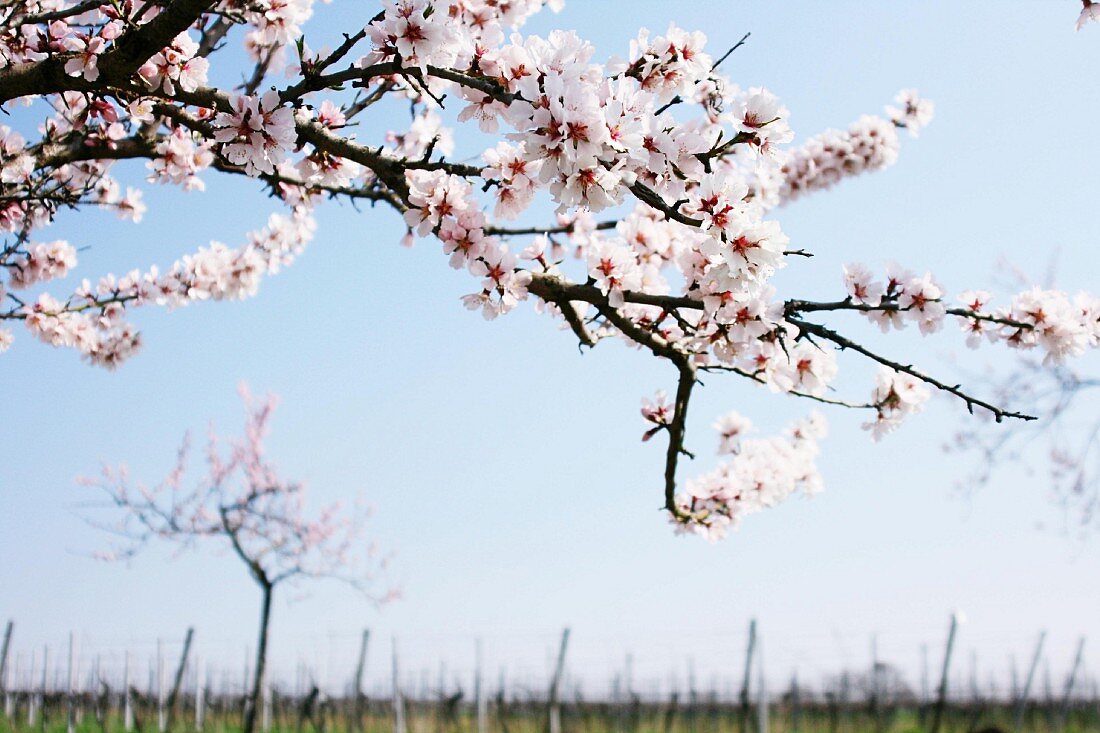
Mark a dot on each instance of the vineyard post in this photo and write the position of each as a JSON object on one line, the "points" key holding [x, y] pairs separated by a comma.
{"points": [[5, 648], [554, 722], [626, 709], [12, 675], [975, 693], [398, 702], [746, 679], [672, 709], [360, 670], [761, 691], [1015, 681], [976, 703], [692, 695], [941, 692], [173, 696], [479, 690], [874, 684], [1063, 715], [1025, 694], [70, 701], [200, 694], [95, 685], [162, 711], [1048, 694], [796, 704], [925, 687], [32, 695], [127, 697], [42, 688]]}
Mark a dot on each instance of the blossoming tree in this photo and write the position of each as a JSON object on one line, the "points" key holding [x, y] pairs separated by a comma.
{"points": [[244, 505], [665, 174]]}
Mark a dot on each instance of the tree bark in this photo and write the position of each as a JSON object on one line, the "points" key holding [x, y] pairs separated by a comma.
{"points": [[253, 706]]}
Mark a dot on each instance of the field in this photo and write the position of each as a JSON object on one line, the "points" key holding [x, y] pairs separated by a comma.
{"points": [[314, 713]]}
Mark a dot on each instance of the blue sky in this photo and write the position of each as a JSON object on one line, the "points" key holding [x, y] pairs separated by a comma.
{"points": [[506, 470]]}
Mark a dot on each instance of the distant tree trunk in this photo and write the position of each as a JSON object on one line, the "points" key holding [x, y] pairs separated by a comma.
{"points": [[253, 705]]}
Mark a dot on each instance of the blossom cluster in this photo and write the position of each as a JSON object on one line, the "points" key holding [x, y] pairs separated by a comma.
{"points": [[761, 473], [1060, 326], [257, 133], [421, 33], [443, 204], [869, 144], [92, 319], [896, 395]]}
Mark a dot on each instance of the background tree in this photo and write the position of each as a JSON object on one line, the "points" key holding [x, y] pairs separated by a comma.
{"points": [[241, 502], [689, 165]]}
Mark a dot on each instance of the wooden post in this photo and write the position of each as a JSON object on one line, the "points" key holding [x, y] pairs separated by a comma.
{"points": [[941, 692], [200, 695], [479, 690], [761, 691], [398, 702], [1067, 700], [42, 689], [693, 696], [32, 696], [554, 724], [127, 698], [796, 704], [12, 675], [69, 697], [747, 678], [161, 684], [874, 703], [357, 693], [5, 649], [173, 696], [925, 687], [1022, 699]]}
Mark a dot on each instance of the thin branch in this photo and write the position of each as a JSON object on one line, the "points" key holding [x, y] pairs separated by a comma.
{"points": [[828, 334]]}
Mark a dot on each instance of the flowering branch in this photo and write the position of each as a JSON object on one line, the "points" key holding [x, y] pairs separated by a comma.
{"points": [[691, 168]]}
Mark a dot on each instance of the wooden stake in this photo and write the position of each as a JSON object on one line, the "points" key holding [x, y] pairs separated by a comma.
{"points": [[941, 693], [32, 695], [69, 697], [479, 691], [554, 724], [1025, 694], [162, 710], [5, 649], [1063, 715], [761, 691], [746, 679], [357, 693], [200, 695], [398, 702], [127, 698], [173, 696]]}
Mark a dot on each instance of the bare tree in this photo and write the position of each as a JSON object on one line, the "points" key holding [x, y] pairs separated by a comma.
{"points": [[243, 502]]}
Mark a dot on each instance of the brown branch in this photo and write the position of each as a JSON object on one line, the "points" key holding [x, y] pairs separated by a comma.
{"points": [[560, 229], [828, 334], [116, 67], [794, 307]]}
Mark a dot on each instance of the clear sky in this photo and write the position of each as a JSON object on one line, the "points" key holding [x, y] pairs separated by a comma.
{"points": [[506, 470]]}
